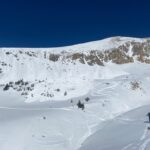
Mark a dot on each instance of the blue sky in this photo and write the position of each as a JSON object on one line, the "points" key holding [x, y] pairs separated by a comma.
{"points": [[49, 23]]}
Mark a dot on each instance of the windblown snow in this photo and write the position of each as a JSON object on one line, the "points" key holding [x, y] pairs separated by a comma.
{"points": [[91, 96]]}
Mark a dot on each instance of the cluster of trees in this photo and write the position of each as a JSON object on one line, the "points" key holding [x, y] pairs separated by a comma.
{"points": [[81, 105]]}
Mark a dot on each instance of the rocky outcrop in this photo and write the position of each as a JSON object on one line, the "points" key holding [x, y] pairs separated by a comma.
{"points": [[126, 53]]}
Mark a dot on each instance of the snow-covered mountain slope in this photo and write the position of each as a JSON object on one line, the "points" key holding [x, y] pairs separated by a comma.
{"points": [[55, 98], [62, 73], [126, 132]]}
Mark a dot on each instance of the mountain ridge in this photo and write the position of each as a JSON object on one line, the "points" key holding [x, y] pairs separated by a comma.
{"points": [[97, 42]]}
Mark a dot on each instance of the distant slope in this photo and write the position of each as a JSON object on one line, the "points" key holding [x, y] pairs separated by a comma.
{"points": [[40, 74]]}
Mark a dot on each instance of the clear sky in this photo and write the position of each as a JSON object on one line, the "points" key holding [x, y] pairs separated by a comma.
{"points": [[48, 23]]}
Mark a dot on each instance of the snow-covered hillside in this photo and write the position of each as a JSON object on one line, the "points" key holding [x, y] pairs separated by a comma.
{"points": [[55, 98], [126, 132]]}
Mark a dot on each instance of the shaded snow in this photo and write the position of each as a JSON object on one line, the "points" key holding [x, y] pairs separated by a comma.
{"points": [[126, 132]]}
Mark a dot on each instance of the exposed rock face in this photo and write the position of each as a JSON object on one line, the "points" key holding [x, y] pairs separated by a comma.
{"points": [[54, 57], [118, 56], [142, 51], [92, 58], [126, 53]]}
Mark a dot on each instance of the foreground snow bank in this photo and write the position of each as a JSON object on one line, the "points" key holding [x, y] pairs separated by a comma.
{"points": [[126, 132]]}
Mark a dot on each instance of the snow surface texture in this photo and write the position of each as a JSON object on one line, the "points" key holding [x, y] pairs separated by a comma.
{"points": [[126, 132], [39, 100]]}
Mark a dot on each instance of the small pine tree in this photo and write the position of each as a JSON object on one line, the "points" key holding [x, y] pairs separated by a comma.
{"points": [[80, 105], [87, 99], [65, 93], [6, 87]]}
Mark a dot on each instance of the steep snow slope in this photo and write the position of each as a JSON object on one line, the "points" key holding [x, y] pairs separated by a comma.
{"points": [[126, 132], [41, 90]]}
